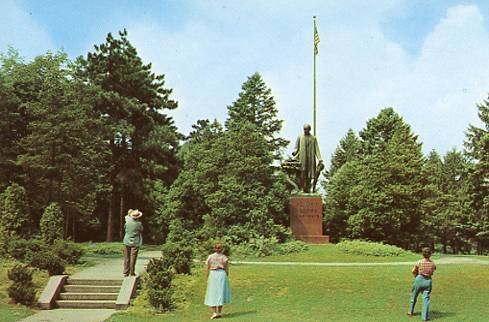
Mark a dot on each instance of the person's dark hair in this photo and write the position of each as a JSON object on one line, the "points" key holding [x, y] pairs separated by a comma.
{"points": [[426, 252], [218, 247]]}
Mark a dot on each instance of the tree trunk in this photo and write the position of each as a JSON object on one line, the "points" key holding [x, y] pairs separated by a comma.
{"points": [[110, 217], [73, 228], [67, 220], [121, 216]]}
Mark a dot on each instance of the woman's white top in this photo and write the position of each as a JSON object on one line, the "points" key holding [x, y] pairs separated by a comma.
{"points": [[216, 261]]}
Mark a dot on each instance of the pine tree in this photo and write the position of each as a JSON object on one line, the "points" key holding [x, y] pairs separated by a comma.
{"points": [[142, 139], [348, 150], [63, 152], [14, 212], [477, 149], [13, 120], [385, 186], [52, 223], [256, 105]]}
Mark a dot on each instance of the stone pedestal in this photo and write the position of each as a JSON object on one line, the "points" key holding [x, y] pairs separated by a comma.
{"points": [[306, 219]]}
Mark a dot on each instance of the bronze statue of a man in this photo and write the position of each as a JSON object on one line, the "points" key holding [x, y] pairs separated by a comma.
{"points": [[307, 151]]}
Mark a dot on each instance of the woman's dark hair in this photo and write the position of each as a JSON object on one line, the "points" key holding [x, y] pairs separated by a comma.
{"points": [[218, 247], [426, 252]]}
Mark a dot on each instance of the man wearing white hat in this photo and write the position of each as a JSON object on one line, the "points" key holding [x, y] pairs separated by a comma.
{"points": [[133, 239]]}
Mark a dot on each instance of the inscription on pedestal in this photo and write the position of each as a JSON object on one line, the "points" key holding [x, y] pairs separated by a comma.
{"points": [[306, 218]]}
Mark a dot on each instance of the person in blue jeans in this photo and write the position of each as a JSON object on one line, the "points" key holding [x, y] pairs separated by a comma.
{"points": [[423, 271]]}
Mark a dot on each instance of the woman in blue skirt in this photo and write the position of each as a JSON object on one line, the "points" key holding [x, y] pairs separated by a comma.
{"points": [[218, 290]]}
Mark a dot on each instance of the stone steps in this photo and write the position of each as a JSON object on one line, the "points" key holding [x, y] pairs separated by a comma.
{"points": [[77, 281], [89, 294], [91, 288], [62, 291], [78, 304]]}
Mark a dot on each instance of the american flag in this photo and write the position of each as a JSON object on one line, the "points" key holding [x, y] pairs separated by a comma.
{"points": [[316, 40]]}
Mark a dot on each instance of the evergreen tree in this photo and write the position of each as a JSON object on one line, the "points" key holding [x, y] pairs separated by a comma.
{"points": [[52, 224], [13, 120], [142, 139], [63, 151], [477, 149], [378, 195], [348, 150], [256, 105], [379, 131], [14, 212], [445, 203], [338, 201], [227, 187]]}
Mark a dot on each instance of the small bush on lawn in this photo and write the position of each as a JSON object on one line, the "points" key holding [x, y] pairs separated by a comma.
{"points": [[178, 256], [22, 249], [68, 251], [52, 223], [50, 261], [158, 282], [261, 246], [359, 247], [293, 246], [22, 289]]}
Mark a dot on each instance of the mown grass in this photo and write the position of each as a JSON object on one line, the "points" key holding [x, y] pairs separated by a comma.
{"points": [[291, 293], [328, 253], [14, 312]]}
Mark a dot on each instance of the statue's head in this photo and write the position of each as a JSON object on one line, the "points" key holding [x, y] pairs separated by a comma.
{"points": [[307, 129]]}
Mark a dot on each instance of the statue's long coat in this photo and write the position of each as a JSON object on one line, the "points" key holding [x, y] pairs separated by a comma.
{"points": [[306, 151]]}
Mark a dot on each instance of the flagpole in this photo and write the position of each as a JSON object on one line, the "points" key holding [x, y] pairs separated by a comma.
{"points": [[314, 54]]}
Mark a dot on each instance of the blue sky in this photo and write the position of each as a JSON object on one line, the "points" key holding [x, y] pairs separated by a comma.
{"points": [[427, 59]]}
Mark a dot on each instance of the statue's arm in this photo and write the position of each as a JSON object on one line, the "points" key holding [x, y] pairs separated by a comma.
{"points": [[297, 146], [318, 153]]}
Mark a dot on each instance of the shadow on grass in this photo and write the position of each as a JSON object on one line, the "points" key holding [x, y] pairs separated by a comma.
{"points": [[436, 315], [240, 313], [440, 314]]}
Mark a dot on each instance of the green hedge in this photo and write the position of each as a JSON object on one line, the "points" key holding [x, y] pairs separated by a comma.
{"points": [[359, 247]]}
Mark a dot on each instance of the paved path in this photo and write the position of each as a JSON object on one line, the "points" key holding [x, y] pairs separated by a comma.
{"points": [[444, 260], [104, 269]]}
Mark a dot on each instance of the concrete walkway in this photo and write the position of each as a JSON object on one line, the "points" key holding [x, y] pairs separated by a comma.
{"points": [[444, 260], [110, 268]]}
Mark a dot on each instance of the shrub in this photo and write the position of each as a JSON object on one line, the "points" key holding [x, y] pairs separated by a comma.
{"points": [[52, 222], [178, 256], [359, 247], [22, 249], [20, 274], [68, 251], [179, 232], [48, 260], [158, 282], [293, 246], [22, 289], [161, 299], [257, 247], [14, 212]]}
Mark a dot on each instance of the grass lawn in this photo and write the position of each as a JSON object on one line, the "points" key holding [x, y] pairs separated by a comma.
{"points": [[9, 312], [14, 312], [283, 293], [329, 254]]}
